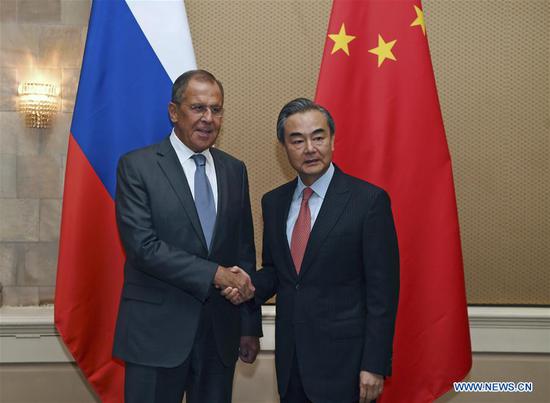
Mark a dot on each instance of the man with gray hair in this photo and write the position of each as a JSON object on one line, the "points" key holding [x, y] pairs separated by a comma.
{"points": [[330, 254], [184, 218]]}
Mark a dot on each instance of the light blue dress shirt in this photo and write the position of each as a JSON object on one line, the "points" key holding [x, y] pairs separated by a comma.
{"points": [[184, 154], [319, 187]]}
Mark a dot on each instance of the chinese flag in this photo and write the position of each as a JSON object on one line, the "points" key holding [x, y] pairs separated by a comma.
{"points": [[377, 80]]}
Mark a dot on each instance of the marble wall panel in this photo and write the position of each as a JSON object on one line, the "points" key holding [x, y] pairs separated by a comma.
{"points": [[8, 188], [19, 44], [19, 220], [38, 177], [50, 219], [8, 88], [8, 264], [61, 46], [39, 11], [8, 10], [20, 296], [40, 264]]}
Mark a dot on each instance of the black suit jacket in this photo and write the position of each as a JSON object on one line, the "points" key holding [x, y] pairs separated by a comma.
{"points": [[169, 271], [338, 314]]}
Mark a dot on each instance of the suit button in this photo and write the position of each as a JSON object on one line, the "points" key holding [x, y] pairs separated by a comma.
{"points": [[298, 286]]}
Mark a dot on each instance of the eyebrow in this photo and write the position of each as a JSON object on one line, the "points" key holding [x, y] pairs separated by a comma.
{"points": [[201, 103], [316, 131]]}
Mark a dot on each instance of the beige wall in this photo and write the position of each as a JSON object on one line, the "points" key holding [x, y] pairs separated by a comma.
{"points": [[491, 60], [494, 92]]}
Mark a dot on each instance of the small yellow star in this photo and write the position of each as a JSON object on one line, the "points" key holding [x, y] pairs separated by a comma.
{"points": [[383, 51], [341, 40], [419, 20]]}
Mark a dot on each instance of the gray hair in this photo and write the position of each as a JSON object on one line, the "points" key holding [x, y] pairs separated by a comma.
{"points": [[180, 85], [300, 105]]}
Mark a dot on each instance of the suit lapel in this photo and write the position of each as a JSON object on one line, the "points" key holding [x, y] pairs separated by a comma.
{"points": [[170, 165], [335, 202], [283, 207], [223, 193]]}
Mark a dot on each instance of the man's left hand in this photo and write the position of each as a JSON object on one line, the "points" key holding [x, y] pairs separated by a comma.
{"points": [[249, 348], [233, 295], [370, 386]]}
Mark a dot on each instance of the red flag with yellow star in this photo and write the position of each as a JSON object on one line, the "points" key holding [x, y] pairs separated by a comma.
{"points": [[377, 80]]}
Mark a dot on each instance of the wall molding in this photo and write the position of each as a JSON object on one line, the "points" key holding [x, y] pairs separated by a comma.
{"points": [[510, 329], [27, 334]]}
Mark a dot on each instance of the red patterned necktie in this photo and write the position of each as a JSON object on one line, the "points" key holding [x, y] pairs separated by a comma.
{"points": [[300, 233]]}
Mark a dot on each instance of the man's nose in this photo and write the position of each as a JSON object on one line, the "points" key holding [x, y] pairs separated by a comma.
{"points": [[309, 147], [207, 116]]}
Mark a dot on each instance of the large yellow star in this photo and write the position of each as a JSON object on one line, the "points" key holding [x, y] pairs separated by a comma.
{"points": [[419, 20], [341, 40], [383, 51]]}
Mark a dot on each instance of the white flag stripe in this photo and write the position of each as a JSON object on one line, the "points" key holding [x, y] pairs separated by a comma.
{"points": [[164, 23]]}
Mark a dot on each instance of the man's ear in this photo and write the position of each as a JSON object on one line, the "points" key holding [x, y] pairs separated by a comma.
{"points": [[173, 112]]}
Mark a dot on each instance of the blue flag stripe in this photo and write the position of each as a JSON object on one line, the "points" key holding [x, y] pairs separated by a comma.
{"points": [[123, 93]]}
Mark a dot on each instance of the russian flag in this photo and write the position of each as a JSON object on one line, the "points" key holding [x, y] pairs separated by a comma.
{"points": [[135, 49]]}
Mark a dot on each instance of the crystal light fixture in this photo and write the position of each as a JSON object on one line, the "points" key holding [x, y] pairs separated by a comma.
{"points": [[38, 102]]}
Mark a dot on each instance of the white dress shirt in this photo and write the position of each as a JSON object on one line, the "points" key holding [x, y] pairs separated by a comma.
{"points": [[319, 187], [184, 154]]}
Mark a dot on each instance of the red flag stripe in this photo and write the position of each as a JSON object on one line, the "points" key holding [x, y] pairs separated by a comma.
{"points": [[90, 258]]}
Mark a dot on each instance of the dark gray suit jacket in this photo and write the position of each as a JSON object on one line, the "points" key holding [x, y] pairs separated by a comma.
{"points": [[338, 314], [168, 272]]}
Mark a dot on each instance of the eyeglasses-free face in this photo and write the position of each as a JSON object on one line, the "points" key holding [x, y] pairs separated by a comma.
{"points": [[308, 144]]}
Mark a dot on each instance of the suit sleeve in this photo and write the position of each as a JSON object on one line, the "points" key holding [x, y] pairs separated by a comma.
{"points": [[265, 280], [251, 318], [381, 266], [143, 247]]}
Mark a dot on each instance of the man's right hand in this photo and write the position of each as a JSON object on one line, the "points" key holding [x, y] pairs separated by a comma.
{"points": [[370, 386], [235, 278]]}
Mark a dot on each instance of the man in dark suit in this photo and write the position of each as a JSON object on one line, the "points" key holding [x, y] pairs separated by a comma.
{"points": [[330, 254], [184, 218]]}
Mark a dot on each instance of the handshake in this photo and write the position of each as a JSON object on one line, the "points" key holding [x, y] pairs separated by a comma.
{"points": [[234, 283]]}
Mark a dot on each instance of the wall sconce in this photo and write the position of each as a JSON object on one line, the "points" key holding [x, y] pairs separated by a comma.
{"points": [[38, 102]]}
